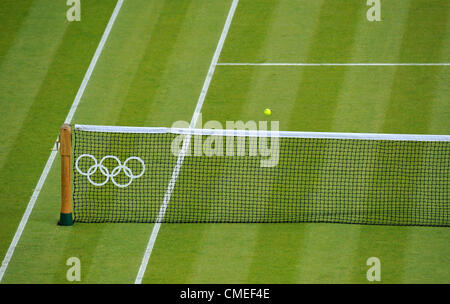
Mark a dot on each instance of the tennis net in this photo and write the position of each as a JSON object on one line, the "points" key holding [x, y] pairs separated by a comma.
{"points": [[132, 174]]}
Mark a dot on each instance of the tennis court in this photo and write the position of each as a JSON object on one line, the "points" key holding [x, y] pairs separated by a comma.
{"points": [[320, 66]]}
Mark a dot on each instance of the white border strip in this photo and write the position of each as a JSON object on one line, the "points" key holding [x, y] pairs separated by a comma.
{"points": [[259, 133], [295, 134], [332, 64], [118, 129], [186, 142], [53, 154]]}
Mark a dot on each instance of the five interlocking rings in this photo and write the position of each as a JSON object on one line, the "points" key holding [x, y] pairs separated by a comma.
{"points": [[104, 170]]}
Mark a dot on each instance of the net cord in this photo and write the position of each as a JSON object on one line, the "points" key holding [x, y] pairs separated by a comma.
{"points": [[261, 133]]}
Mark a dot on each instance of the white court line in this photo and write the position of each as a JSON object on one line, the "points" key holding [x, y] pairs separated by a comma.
{"points": [[186, 142], [53, 154], [333, 64]]}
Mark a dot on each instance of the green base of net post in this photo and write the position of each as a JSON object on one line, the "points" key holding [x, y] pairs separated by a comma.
{"points": [[65, 219]]}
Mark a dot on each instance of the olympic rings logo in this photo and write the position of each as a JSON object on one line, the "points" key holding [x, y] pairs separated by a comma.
{"points": [[104, 170]]}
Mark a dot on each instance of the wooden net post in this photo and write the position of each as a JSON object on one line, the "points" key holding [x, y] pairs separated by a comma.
{"points": [[65, 141]]}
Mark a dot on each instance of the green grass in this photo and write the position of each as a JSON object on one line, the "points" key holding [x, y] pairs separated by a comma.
{"points": [[40, 75], [151, 73]]}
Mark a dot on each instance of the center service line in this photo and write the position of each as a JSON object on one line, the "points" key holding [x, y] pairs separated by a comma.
{"points": [[185, 146], [54, 152]]}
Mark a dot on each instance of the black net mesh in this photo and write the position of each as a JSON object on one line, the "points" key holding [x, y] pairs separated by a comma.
{"points": [[124, 177]]}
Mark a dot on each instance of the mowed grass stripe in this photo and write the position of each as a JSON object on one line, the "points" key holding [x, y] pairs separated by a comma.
{"points": [[22, 74], [410, 103], [315, 108], [25, 66], [139, 100], [193, 122], [225, 254], [236, 74], [189, 42], [109, 85], [327, 254], [408, 111], [361, 107], [249, 29], [248, 18], [275, 254], [35, 252], [290, 33], [426, 255], [13, 13], [414, 88], [440, 124], [261, 268], [316, 102], [294, 24], [370, 108], [175, 257], [195, 238], [364, 97]]}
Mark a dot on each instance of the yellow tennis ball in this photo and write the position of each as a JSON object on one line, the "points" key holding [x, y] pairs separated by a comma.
{"points": [[267, 112]]}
